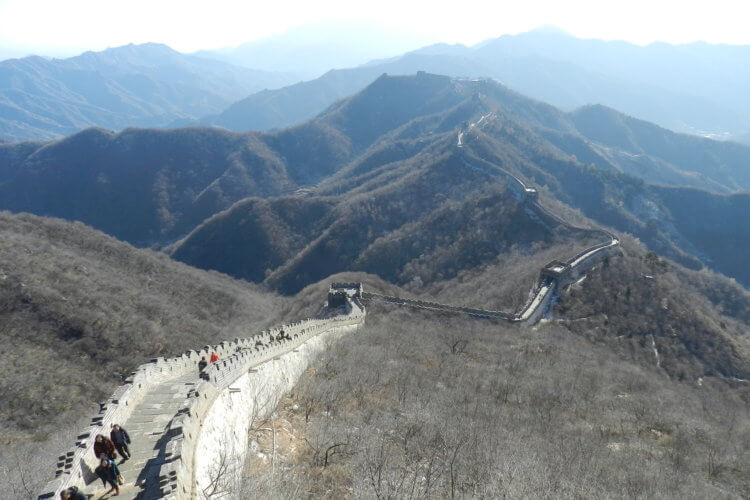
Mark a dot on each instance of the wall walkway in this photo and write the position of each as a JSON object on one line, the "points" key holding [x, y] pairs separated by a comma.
{"points": [[164, 406]]}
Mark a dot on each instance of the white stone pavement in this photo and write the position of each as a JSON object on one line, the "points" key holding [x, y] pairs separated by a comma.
{"points": [[147, 426]]}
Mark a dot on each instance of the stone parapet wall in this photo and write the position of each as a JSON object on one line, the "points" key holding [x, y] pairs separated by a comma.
{"points": [[435, 306], [178, 475], [76, 466]]}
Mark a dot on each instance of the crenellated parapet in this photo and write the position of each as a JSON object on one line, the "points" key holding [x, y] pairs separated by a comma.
{"points": [[76, 466], [178, 476]]}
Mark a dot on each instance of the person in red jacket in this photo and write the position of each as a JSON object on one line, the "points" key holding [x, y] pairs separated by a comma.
{"points": [[214, 357], [104, 446]]}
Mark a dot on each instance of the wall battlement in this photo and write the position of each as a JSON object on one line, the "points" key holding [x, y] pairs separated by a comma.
{"points": [[178, 477], [75, 467], [340, 293]]}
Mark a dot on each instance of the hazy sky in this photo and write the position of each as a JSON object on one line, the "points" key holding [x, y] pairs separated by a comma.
{"points": [[59, 27]]}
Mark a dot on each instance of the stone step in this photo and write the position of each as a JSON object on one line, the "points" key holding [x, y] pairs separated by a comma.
{"points": [[126, 491], [147, 425]]}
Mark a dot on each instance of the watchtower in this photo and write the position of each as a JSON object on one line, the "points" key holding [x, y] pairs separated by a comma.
{"points": [[340, 293], [554, 270]]}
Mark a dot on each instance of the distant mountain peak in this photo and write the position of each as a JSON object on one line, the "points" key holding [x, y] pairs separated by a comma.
{"points": [[550, 29], [134, 48]]}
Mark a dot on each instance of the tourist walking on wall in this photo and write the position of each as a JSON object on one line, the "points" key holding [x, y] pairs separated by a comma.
{"points": [[73, 493], [214, 357], [202, 364], [103, 446], [108, 473], [121, 439]]}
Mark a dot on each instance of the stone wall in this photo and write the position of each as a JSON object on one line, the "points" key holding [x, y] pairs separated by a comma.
{"points": [[552, 278], [194, 441], [178, 476], [75, 467], [250, 398]]}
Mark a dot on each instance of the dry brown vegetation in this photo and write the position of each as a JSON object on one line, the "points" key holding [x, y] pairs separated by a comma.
{"points": [[78, 312], [638, 303], [98, 308], [633, 390], [419, 406]]}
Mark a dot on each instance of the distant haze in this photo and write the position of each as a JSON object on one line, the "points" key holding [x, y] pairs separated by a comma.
{"points": [[58, 28], [311, 50]]}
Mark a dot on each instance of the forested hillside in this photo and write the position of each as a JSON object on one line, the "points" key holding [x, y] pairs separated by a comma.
{"points": [[508, 412], [512, 269], [630, 389], [80, 310]]}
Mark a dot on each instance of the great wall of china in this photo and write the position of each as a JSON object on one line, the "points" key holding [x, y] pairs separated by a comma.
{"points": [[172, 414]]}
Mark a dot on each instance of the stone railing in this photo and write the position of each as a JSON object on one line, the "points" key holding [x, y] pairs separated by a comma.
{"points": [[435, 306], [76, 466], [177, 474]]}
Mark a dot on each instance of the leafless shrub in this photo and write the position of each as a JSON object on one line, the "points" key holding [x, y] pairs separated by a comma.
{"points": [[522, 413]]}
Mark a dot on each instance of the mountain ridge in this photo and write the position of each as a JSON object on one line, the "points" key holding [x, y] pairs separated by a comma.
{"points": [[532, 64], [146, 85], [398, 135]]}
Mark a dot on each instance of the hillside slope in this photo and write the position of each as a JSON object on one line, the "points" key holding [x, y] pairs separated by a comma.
{"points": [[97, 308], [487, 410], [385, 159], [388, 199], [149, 187]]}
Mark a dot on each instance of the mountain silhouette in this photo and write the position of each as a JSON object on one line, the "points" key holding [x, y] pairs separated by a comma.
{"points": [[134, 85]]}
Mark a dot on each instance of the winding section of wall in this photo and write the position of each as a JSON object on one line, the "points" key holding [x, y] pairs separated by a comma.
{"points": [[164, 405], [553, 277], [183, 427]]}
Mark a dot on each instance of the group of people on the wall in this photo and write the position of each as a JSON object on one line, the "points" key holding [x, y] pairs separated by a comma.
{"points": [[202, 364], [106, 450]]}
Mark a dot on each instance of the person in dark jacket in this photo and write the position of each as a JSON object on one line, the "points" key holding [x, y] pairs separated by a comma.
{"points": [[104, 446], [73, 493], [108, 472], [120, 437], [202, 364]]}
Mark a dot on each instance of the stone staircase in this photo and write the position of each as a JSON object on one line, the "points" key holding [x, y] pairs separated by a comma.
{"points": [[147, 428]]}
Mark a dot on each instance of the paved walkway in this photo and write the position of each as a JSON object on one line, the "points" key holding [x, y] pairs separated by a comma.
{"points": [[147, 426]]}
